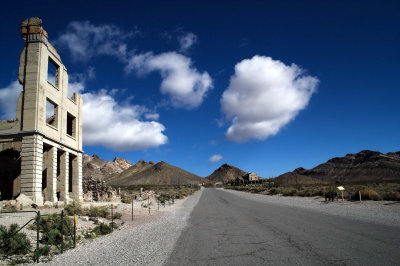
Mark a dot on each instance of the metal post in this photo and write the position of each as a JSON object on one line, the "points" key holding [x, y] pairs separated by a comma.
{"points": [[132, 207], [148, 201], [112, 218], [37, 235], [62, 232], [75, 230]]}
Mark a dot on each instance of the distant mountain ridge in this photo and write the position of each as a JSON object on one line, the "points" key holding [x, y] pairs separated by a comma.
{"points": [[365, 166], [162, 173], [226, 173]]}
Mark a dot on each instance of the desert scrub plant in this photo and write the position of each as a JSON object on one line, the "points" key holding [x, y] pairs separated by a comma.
{"points": [[51, 227], [74, 208], [117, 215], [392, 195], [101, 211], [126, 199], [366, 194], [13, 243], [102, 229]]}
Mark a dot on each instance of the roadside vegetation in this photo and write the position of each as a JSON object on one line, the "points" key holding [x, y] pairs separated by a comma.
{"points": [[369, 191], [165, 193]]}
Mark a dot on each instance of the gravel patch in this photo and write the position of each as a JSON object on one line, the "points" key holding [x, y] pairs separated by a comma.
{"points": [[381, 212], [148, 243]]}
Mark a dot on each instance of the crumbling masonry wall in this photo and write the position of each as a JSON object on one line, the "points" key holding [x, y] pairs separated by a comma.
{"points": [[47, 130]]}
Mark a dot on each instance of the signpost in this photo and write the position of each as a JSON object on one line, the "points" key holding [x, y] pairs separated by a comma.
{"points": [[341, 190]]}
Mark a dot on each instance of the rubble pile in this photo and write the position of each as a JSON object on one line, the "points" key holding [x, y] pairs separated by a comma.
{"points": [[96, 190]]}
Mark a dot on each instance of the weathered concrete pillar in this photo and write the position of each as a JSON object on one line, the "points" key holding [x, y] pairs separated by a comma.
{"points": [[31, 167], [77, 177], [64, 177], [51, 189]]}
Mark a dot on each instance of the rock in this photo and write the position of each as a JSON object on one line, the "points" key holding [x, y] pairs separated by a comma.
{"points": [[48, 204], [24, 200], [59, 204], [122, 162]]}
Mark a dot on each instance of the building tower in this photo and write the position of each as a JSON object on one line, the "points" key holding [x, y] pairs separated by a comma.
{"points": [[47, 131]]}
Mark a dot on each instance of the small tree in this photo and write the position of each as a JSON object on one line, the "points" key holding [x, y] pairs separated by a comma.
{"points": [[12, 243]]}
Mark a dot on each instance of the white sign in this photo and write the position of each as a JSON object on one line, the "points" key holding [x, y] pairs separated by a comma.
{"points": [[340, 188]]}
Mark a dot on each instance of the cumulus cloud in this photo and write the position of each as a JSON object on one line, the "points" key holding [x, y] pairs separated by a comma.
{"points": [[215, 158], [186, 41], [105, 121], [8, 100], [117, 127], [185, 86], [263, 96], [85, 40]]}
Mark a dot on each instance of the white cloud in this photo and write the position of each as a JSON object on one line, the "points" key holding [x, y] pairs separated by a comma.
{"points": [[85, 40], [153, 116], [117, 127], [263, 96], [8, 100], [105, 122], [215, 158], [185, 86], [186, 41]]}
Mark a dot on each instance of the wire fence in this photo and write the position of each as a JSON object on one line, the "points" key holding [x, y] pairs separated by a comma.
{"points": [[52, 230]]}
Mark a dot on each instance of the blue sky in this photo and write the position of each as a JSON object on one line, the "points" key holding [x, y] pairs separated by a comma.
{"points": [[266, 86]]}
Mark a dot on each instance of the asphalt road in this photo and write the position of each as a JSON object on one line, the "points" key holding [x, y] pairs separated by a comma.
{"points": [[226, 229]]}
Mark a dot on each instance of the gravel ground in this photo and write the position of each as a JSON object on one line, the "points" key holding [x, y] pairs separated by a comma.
{"points": [[147, 243], [381, 212]]}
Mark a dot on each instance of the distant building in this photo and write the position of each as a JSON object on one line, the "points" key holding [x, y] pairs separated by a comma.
{"points": [[251, 177]]}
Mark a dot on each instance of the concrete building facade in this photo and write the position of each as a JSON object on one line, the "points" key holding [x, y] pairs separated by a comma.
{"points": [[41, 149]]}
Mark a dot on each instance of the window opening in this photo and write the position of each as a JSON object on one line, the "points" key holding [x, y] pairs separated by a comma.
{"points": [[51, 113], [71, 125], [53, 72]]}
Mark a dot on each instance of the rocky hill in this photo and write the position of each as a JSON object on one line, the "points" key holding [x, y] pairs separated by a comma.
{"points": [[161, 173], [225, 173], [98, 169], [365, 166], [95, 171]]}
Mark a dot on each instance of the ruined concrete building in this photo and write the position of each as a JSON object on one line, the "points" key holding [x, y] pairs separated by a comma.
{"points": [[41, 150]]}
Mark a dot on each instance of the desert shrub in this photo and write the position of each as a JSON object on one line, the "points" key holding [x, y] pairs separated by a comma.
{"points": [[74, 208], [366, 194], [290, 192], [12, 243], [392, 195], [126, 199], [114, 225], [51, 226], [273, 191], [101, 211], [117, 215], [89, 235], [102, 229]]}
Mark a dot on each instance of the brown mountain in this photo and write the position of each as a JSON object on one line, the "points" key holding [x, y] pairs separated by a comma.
{"points": [[161, 173], [365, 166], [126, 174], [225, 173]]}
